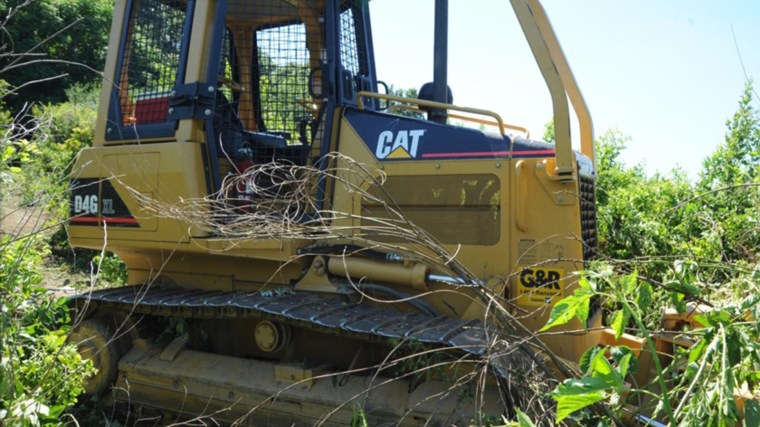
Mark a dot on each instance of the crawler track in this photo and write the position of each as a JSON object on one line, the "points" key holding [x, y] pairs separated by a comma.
{"points": [[323, 312]]}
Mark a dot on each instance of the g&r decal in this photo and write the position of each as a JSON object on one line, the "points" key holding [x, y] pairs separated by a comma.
{"points": [[540, 278], [537, 286]]}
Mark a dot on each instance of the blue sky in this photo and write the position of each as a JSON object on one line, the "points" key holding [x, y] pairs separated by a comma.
{"points": [[667, 73]]}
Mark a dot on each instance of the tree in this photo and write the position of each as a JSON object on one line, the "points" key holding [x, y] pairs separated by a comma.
{"points": [[737, 160], [404, 93], [730, 182], [46, 46]]}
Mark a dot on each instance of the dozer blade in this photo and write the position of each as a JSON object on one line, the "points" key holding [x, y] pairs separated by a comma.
{"points": [[249, 392]]}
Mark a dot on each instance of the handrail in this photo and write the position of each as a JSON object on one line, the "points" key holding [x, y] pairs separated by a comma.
{"points": [[580, 107], [559, 80], [431, 104], [525, 131]]}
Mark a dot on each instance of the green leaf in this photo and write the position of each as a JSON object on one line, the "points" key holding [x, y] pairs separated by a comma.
{"points": [[619, 320], [601, 369], [573, 306], [751, 413], [630, 282], [583, 283], [7, 154], [676, 298], [734, 344], [524, 420], [625, 360], [684, 288], [585, 363], [576, 394], [691, 371], [644, 296], [714, 318], [624, 365]]}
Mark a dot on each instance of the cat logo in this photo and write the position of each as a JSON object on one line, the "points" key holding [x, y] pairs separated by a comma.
{"points": [[402, 145]]}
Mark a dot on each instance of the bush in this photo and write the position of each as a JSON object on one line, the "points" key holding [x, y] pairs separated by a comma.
{"points": [[40, 374], [64, 129], [666, 242]]}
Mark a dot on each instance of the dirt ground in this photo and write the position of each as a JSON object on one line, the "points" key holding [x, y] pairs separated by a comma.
{"points": [[19, 221]]}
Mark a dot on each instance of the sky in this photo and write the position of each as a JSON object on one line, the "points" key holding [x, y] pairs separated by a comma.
{"points": [[668, 74]]}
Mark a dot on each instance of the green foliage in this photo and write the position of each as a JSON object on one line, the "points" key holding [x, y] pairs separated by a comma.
{"points": [[632, 206], [549, 131], [395, 107], [523, 420], [730, 180], [64, 130], [725, 358], [40, 374], [669, 242], [603, 377], [573, 306], [359, 417], [111, 269], [52, 44], [715, 220], [9, 157]]}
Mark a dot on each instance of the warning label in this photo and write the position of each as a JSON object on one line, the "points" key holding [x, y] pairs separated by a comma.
{"points": [[538, 286]]}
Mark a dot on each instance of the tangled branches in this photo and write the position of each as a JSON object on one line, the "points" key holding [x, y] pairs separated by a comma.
{"points": [[284, 201]]}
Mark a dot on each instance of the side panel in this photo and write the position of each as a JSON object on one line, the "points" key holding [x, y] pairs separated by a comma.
{"points": [[150, 181], [546, 247], [462, 202]]}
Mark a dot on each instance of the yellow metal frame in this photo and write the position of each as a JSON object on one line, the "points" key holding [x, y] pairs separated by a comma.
{"points": [[524, 131], [560, 81], [432, 104]]}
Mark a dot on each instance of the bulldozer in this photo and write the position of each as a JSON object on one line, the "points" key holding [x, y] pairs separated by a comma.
{"points": [[301, 244]]}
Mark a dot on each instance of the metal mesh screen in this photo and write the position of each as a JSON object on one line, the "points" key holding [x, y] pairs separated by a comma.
{"points": [[352, 56], [150, 60], [283, 72], [588, 217], [264, 109]]}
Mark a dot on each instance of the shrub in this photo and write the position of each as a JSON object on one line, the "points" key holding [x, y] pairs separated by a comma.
{"points": [[40, 374]]}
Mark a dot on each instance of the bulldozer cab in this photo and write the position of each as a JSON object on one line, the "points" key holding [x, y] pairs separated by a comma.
{"points": [[257, 79]]}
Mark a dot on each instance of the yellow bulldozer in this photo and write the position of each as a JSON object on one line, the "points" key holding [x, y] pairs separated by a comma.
{"points": [[303, 245]]}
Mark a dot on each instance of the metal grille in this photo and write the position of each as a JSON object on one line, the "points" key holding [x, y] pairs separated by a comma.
{"points": [[283, 72], [349, 42], [150, 60], [588, 216], [353, 57], [264, 110]]}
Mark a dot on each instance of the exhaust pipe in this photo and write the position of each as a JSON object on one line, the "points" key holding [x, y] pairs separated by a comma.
{"points": [[440, 61]]}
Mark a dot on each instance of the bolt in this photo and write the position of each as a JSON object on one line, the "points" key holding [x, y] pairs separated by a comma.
{"points": [[109, 130], [211, 89], [437, 166], [560, 198], [498, 165], [319, 267], [171, 111], [207, 112]]}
